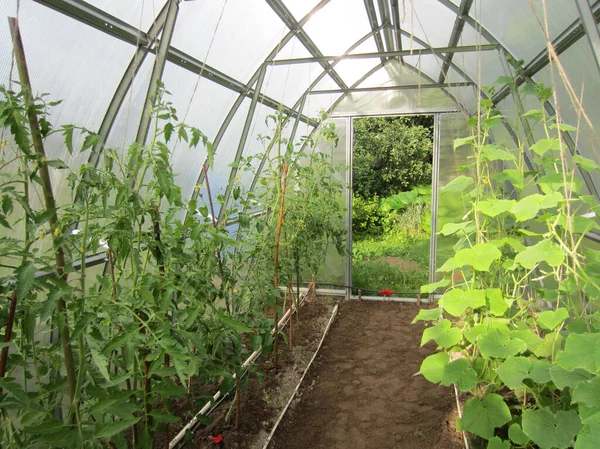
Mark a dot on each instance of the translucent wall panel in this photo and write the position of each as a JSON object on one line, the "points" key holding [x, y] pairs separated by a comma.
{"points": [[336, 26], [200, 103], [286, 83], [352, 70], [482, 67], [516, 24], [139, 13], [71, 62], [392, 102], [240, 34], [292, 49], [429, 65], [316, 103], [368, 46], [334, 266], [225, 155], [261, 126], [450, 207], [126, 124], [430, 21], [582, 76]]}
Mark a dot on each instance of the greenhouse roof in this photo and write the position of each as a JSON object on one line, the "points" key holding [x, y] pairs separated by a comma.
{"points": [[229, 64]]}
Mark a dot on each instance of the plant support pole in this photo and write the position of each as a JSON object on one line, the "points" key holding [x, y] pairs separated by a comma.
{"points": [[49, 201]]}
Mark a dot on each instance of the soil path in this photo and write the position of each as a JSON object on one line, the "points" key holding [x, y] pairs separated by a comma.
{"points": [[361, 392]]}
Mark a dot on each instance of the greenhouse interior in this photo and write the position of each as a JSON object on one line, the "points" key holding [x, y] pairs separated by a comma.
{"points": [[186, 260]]}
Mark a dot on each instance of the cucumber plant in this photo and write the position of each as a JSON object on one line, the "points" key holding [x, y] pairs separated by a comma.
{"points": [[518, 325]]}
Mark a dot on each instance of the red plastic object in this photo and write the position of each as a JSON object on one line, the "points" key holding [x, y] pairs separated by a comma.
{"points": [[386, 292], [218, 439]]}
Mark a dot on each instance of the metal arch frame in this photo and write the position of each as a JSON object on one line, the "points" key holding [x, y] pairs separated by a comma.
{"points": [[243, 94], [158, 69], [459, 25], [386, 22], [375, 28], [288, 19], [396, 24]]}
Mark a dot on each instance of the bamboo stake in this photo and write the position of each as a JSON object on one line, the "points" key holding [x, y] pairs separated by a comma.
{"points": [[277, 241], [49, 201]]}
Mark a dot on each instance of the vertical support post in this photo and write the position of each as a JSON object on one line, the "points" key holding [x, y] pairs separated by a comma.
{"points": [[435, 179], [591, 29], [243, 138], [157, 71], [349, 158]]}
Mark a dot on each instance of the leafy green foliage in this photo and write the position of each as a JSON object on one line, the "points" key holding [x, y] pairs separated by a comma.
{"points": [[183, 300], [391, 154], [522, 287]]}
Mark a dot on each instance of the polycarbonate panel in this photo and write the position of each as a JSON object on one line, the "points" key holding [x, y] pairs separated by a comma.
{"points": [[352, 70], [409, 44], [74, 63], [467, 97], [482, 67], [368, 46], [326, 83], [299, 8], [239, 39], [338, 25], [516, 25], [126, 124], [261, 126], [582, 75], [430, 21], [334, 267], [429, 65], [293, 49], [225, 155], [205, 109], [450, 207], [316, 103], [286, 83], [139, 14]]}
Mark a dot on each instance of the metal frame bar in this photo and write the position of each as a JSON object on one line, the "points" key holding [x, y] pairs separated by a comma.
{"points": [[124, 85], [288, 19], [396, 25], [242, 142], [157, 70], [435, 179], [375, 28], [591, 28], [349, 182], [388, 54], [392, 88], [459, 25], [386, 22]]}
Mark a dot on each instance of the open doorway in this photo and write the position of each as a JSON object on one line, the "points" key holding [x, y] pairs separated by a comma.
{"points": [[391, 204]]}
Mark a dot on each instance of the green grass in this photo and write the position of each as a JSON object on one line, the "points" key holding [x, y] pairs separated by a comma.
{"points": [[370, 271]]}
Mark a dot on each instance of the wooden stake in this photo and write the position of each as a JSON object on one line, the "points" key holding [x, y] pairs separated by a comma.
{"points": [[49, 202]]}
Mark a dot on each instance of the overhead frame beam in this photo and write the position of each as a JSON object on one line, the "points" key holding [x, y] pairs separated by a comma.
{"points": [[459, 25], [288, 19], [372, 16], [396, 24], [393, 88], [386, 22], [388, 54]]}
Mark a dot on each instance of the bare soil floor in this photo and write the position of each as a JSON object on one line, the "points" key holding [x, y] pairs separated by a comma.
{"points": [[361, 392]]}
